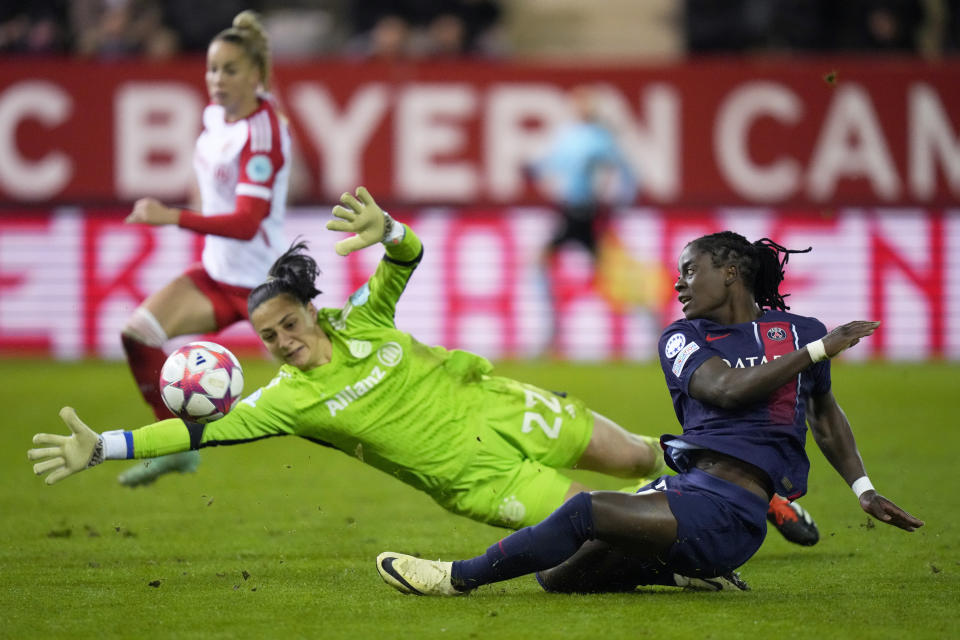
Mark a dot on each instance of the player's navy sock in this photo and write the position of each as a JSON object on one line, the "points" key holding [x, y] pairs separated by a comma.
{"points": [[530, 549], [145, 364]]}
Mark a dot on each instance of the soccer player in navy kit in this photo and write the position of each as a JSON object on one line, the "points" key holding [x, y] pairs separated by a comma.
{"points": [[746, 377]]}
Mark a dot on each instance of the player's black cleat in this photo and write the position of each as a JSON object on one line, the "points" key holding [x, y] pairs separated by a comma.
{"points": [[728, 582], [793, 522]]}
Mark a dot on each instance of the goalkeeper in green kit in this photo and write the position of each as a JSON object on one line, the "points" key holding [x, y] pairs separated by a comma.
{"points": [[486, 447]]}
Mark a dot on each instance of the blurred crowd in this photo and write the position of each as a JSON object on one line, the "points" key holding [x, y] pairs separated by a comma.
{"points": [[924, 27], [398, 29], [298, 28]]}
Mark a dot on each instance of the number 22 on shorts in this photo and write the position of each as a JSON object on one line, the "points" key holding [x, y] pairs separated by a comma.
{"points": [[531, 417]]}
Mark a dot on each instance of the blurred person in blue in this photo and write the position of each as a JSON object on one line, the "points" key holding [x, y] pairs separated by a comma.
{"points": [[746, 378], [584, 171]]}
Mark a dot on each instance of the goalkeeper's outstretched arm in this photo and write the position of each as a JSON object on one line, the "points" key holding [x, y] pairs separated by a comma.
{"points": [[360, 215], [62, 456]]}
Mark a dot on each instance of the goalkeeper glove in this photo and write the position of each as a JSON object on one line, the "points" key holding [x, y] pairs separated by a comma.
{"points": [[363, 217], [66, 455]]}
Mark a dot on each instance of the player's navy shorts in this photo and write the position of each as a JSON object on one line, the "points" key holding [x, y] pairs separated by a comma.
{"points": [[720, 525]]}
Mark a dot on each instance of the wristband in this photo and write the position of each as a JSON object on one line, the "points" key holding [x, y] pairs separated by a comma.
{"points": [[117, 445], [818, 353], [393, 231], [861, 485]]}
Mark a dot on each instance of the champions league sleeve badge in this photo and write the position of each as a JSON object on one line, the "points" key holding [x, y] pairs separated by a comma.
{"points": [[259, 168], [674, 344]]}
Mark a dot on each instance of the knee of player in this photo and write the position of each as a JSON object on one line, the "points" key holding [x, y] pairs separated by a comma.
{"points": [[144, 327], [551, 582]]}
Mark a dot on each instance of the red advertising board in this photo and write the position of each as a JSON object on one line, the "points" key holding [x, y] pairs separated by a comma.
{"points": [[69, 278], [767, 132]]}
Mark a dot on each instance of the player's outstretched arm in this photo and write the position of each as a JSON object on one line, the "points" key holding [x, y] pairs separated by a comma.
{"points": [[718, 383], [64, 456], [833, 435], [844, 337], [362, 216]]}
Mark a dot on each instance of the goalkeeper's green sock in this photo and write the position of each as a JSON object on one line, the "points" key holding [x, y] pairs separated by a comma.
{"points": [[659, 466]]}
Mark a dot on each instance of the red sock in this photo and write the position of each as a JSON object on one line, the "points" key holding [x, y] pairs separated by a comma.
{"points": [[145, 364]]}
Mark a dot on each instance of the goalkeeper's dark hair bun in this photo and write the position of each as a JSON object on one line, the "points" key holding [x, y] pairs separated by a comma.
{"points": [[293, 273]]}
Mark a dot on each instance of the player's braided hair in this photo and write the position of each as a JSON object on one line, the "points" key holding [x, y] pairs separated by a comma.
{"points": [[247, 32], [293, 273], [760, 263]]}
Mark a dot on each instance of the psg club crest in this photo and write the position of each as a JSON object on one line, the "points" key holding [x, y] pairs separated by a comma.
{"points": [[776, 333]]}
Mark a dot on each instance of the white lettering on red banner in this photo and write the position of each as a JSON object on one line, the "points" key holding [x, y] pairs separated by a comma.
{"points": [[699, 133]]}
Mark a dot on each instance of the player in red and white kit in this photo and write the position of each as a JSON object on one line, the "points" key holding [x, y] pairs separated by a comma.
{"points": [[242, 163]]}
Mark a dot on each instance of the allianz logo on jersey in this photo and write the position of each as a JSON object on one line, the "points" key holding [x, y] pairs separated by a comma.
{"points": [[389, 355]]}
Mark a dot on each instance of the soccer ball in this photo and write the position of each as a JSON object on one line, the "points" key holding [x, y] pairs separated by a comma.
{"points": [[201, 381]]}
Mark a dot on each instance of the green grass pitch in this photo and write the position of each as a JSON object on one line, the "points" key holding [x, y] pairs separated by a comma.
{"points": [[278, 538]]}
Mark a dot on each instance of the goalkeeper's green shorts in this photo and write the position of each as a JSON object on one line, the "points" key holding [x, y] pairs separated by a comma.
{"points": [[528, 433]]}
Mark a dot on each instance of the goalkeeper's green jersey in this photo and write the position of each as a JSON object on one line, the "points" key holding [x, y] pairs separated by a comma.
{"points": [[422, 414]]}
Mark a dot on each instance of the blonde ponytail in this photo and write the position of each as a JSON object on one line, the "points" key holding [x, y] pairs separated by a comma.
{"points": [[248, 33]]}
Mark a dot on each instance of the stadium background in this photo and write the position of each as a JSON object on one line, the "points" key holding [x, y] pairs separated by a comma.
{"points": [[732, 121], [859, 158]]}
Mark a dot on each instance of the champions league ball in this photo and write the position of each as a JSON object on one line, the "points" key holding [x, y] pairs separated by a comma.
{"points": [[201, 381]]}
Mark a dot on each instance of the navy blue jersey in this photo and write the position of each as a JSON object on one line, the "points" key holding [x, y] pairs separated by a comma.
{"points": [[769, 434]]}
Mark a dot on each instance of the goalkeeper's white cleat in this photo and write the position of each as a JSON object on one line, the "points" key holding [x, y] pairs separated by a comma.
{"points": [[728, 582], [147, 471], [416, 576]]}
